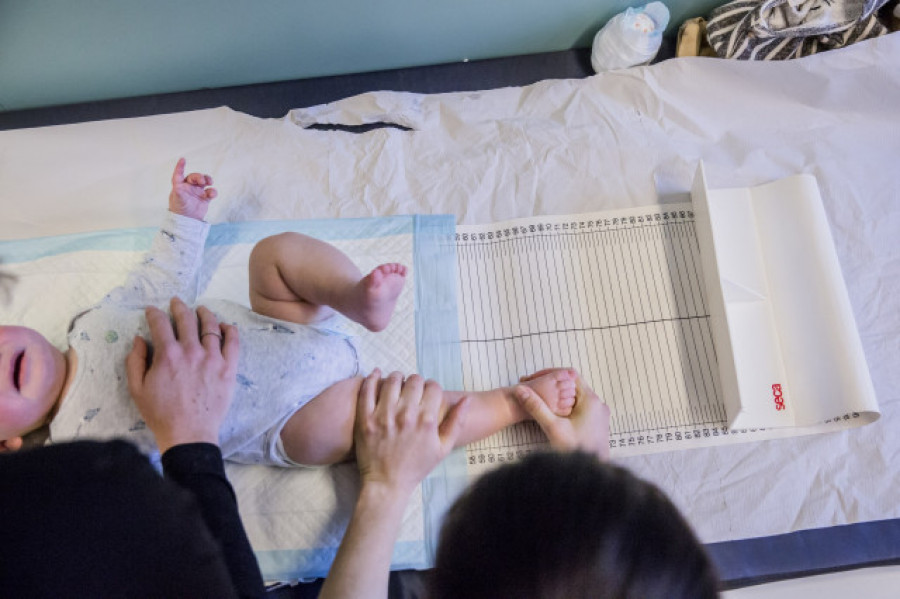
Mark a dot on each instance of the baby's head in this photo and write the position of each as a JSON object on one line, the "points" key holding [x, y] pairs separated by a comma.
{"points": [[565, 525], [32, 375]]}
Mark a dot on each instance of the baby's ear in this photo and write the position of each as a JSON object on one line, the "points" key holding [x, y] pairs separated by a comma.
{"points": [[13, 444]]}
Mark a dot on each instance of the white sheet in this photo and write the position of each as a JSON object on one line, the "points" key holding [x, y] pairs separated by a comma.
{"points": [[615, 140]]}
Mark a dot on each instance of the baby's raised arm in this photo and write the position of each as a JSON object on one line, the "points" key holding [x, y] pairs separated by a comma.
{"points": [[170, 266], [190, 195]]}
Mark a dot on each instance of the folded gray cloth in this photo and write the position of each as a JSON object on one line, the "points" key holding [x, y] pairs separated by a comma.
{"points": [[782, 29]]}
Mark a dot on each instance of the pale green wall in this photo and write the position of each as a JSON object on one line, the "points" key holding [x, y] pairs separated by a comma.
{"points": [[64, 51]]}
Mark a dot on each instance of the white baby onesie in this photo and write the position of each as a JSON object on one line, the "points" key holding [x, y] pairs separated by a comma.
{"points": [[282, 365]]}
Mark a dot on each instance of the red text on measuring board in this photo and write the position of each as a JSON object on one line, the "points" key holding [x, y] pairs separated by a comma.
{"points": [[779, 397]]}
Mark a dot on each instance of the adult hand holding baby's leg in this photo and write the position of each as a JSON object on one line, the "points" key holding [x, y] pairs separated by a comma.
{"points": [[191, 194], [400, 437], [184, 392], [586, 428]]}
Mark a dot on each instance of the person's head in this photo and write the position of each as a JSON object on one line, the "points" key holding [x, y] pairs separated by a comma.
{"points": [[565, 525], [32, 375]]}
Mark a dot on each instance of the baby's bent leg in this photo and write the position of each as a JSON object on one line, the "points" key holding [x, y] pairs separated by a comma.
{"points": [[321, 432], [294, 277], [301, 279]]}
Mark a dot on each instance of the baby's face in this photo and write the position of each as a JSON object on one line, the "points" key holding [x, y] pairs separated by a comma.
{"points": [[32, 373]]}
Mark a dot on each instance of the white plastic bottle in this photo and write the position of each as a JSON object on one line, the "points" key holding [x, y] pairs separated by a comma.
{"points": [[630, 38]]}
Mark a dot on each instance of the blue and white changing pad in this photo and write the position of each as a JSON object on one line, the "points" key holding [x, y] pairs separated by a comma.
{"points": [[295, 518]]}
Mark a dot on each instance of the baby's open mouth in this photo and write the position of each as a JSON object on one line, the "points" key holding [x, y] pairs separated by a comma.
{"points": [[17, 371]]}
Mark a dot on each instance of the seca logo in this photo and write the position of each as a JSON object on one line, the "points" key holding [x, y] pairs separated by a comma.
{"points": [[779, 398]]}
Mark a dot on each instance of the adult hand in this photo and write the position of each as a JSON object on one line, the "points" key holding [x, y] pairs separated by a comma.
{"points": [[586, 428], [400, 437], [399, 433], [185, 391], [190, 195]]}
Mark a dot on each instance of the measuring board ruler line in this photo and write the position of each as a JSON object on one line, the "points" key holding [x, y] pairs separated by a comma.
{"points": [[623, 303]]}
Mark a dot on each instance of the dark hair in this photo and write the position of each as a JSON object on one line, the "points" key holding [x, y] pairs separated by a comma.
{"points": [[565, 525]]}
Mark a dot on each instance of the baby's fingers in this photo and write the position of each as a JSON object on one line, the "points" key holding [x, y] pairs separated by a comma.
{"points": [[178, 173], [198, 179]]}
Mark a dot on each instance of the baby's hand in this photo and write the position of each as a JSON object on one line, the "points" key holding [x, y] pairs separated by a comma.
{"points": [[190, 195], [556, 387]]}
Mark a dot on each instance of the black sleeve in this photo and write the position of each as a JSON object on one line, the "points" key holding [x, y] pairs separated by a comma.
{"points": [[198, 468], [95, 519]]}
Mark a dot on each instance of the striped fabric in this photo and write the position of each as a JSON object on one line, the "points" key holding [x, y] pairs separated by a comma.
{"points": [[784, 29]]}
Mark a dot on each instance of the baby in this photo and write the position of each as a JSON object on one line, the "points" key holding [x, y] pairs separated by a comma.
{"points": [[298, 373]]}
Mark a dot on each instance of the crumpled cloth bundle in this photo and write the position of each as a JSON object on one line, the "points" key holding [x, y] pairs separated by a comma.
{"points": [[783, 29]]}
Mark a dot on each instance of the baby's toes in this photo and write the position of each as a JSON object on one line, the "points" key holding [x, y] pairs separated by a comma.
{"points": [[566, 388], [564, 406]]}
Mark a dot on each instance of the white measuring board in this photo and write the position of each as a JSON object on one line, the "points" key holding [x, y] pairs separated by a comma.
{"points": [[619, 296]]}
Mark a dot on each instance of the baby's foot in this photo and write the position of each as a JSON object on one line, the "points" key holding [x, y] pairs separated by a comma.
{"points": [[379, 291], [557, 389]]}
